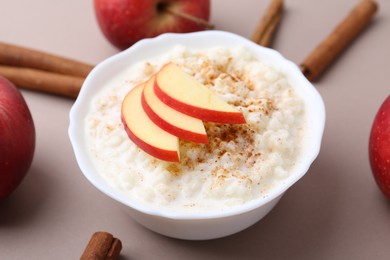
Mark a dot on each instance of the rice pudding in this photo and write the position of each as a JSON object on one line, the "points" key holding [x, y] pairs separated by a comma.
{"points": [[240, 163]]}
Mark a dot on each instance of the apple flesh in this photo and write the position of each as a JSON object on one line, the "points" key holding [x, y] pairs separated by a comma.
{"points": [[143, 132], [379, 148], [125, 22], [17, 138], [176, 123], [185, 94]]}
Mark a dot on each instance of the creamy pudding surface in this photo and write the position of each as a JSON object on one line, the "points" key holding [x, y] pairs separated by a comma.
{"points": [[240, 163]]}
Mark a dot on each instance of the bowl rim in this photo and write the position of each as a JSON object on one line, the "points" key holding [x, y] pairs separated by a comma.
{"points": [[200, 40]]}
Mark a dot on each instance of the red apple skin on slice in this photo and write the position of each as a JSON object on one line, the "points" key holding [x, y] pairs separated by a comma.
{"points": [[143, 132], [169, 119], [183, 93]]}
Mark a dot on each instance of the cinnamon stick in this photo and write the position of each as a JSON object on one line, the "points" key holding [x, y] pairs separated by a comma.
{"points": [[102, 246], [267, 26], [326, 52], [49, 82], [13, 55]]}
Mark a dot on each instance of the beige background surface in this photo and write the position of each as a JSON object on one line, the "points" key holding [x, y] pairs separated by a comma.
{"points": [[335, 212]]}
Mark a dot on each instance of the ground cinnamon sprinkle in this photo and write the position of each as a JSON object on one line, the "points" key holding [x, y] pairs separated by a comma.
{"points": [[223, 136]]}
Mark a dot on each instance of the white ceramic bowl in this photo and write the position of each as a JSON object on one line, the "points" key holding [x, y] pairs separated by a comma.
{"points": [[191, 225]]}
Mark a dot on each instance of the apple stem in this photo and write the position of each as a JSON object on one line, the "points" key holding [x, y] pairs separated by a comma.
{"points": [[190, 17]]}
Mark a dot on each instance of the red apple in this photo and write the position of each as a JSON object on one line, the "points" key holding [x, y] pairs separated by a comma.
{"points": [[185, 94], [379, 147], [176, 123], [125, 22], [17, 138], [143, 132]]}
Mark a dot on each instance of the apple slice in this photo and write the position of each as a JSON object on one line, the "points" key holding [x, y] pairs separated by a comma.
{"points": [[169, 119], [183, 93], [143, 132]]}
